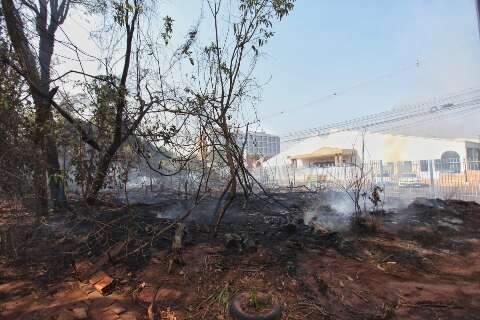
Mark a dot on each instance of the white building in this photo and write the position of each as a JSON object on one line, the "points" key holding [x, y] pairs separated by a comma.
{"points": [[260, 144], [345, 147]]}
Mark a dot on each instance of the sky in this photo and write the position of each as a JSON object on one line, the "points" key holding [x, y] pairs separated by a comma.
{"points": [[327, 46], [374, 54]]}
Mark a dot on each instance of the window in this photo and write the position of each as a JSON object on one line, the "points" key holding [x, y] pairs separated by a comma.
{"points": [[424, 165], [450, 162], [406, 166], [473, 154], [473, 158]]}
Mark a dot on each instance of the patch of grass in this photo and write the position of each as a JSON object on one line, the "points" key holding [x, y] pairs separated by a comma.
{"points": [[258, 303], [223, 297]]}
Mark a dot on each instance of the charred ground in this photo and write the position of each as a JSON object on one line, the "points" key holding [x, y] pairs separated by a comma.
{"points": [[418, 262]]}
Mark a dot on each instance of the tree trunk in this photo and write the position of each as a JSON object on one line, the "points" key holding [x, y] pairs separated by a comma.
{"points": [[46, 121], [55, 173], [101, 173], [232, 185], [40, 185], [44, 134], [121, 103], [45, 140]]}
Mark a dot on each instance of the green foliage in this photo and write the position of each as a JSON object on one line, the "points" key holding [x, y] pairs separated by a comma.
{"points": [[255, 302], [167, 133], [123, 9], [17, 151], [105, 95], [185, 50], [224, 296], [162, 132], [282, 7], [95, 6], [103, 105], [225, 69], [261, 14], [168, 29], [120, 9]]}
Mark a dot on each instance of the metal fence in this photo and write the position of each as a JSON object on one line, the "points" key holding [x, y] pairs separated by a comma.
{"points": [[446, 179]]}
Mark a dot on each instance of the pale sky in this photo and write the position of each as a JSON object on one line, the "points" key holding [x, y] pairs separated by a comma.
{"points": [[326, 46], [366, 51]]}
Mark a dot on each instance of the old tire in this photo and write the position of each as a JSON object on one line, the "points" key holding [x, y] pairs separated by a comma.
{"points": [[237, 312]]}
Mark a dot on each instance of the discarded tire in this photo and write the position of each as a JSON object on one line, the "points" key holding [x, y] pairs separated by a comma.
{"points": [[237, 312]]}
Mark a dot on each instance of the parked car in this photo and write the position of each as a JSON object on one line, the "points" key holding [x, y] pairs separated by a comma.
{"points": [[410, 180], [384, 179]]}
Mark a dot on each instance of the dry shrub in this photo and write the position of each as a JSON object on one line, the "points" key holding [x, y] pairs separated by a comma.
{"points": [[366, 225]]}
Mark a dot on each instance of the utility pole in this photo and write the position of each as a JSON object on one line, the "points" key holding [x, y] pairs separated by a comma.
{"points": [[477, 4]]}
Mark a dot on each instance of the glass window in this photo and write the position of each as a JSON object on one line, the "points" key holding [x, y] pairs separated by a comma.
{"points": [[424, 165]]}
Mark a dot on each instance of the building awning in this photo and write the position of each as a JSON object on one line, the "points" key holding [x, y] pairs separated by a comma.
{"points": [[323, 153]]}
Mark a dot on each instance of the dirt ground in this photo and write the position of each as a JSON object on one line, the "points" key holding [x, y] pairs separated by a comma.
{"points": [[419, 262]]}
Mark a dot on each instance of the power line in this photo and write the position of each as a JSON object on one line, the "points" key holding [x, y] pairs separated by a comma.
{"points": [[391, 113], [450, 103], [424, 121]]}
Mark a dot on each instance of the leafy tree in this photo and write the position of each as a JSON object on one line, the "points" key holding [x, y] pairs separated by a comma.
{"points": [[16, 158], [35, 67]]}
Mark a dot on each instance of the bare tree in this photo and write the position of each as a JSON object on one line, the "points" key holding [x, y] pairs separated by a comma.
{"points": [[126, 87], [143, 104], [128, 16], [357, 178], [225, 83]]}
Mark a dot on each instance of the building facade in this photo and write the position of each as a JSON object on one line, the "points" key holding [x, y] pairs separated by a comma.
{"points": [[347, 147], [259, 144]]}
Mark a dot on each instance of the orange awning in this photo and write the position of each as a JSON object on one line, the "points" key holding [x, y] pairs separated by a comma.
{"points": [[325, 152]]}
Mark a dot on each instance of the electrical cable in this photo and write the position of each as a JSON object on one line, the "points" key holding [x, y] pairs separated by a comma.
{"points": [[448, 103]]}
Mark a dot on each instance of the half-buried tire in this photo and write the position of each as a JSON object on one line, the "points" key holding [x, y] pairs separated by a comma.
{"points": [[238, 313]]}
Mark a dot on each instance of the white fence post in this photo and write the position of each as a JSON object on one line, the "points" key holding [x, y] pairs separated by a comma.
{"points": [[432, 178], [444, 178]]}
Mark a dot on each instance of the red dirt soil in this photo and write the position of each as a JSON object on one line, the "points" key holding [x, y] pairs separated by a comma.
{"points": [[416, 269]]}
